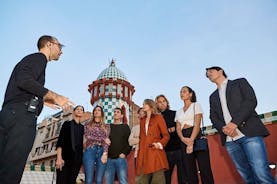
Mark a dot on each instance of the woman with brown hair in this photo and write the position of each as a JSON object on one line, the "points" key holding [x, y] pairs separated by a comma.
{"points": [[188, 120], [153, 138], [96, 134], [70, 148]]}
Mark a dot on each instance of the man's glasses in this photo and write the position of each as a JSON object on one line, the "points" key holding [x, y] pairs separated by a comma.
{"points": [[59, 45]]}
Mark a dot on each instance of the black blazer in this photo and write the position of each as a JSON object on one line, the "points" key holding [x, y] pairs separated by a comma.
{"points": [[241, 102], [70, 153]]}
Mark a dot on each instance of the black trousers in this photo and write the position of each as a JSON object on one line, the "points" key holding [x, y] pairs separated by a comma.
{"points": [[17, 135], [203, 161], [68, 174], [175, 158]]}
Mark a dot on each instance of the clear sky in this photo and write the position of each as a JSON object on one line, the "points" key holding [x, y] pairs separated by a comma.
{"points": [[159, 45]]}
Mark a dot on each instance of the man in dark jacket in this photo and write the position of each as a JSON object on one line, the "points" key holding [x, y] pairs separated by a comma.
{"points": [[173, 147], [232, 112]]}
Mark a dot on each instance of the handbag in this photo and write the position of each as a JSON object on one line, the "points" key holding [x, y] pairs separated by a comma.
{"points": [[201, 142]]}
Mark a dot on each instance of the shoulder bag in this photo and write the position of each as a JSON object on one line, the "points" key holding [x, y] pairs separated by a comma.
{"points": [[201, 142]]}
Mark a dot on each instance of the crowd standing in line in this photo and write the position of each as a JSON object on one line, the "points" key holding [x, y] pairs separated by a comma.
{"points": [[158, 148]]}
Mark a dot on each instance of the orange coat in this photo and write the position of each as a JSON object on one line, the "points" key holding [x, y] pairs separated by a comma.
{"points": [[150, 159]]}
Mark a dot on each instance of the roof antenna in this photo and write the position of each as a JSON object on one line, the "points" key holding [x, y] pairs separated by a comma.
{"points": [[112, 62]]}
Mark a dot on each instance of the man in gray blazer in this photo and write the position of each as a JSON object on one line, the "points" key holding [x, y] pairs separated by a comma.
{"points": [[232, 112]]}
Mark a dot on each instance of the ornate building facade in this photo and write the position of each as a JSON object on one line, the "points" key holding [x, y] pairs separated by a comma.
{"points": [[44, 148], [111, 90]]}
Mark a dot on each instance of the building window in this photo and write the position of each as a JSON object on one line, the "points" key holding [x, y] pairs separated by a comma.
{"points": [[95, 90], [51, 163], [53, 145], [41, 150], [48, 131], [37, 151], [110, 88], [130, 95], [53, 128], [119, 89], [45, 148], [126, 91], [59, 126], [102, 89]]}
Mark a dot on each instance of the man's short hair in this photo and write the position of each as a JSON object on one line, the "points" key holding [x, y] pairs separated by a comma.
{"points": [[118, 108], [43, 40], [217, 68], [79, 106]]}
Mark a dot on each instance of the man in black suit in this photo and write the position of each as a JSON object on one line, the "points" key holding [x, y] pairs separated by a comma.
{"points": [[173, 147], [232, 112]]}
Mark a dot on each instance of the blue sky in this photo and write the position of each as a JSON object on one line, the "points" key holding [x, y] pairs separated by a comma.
{"points": [[159, 45]]}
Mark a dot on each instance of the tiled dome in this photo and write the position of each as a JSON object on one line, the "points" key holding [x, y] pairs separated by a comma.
{"points": [[112, 72]]}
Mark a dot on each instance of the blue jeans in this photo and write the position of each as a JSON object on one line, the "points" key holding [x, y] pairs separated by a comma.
{"points": [[119, 166], [250, 158], [91, 160]]}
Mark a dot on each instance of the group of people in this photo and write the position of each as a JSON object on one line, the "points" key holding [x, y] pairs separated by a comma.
{"points": [[101, 148], [168, 138], [162, 139], [165, 139]]}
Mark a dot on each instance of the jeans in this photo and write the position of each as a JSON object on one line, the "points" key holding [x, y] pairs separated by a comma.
{"points": [[119, 166], [91, 160], [250, 158]]}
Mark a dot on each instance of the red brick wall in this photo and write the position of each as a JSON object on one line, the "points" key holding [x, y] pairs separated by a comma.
{"points": [[223, 168]]}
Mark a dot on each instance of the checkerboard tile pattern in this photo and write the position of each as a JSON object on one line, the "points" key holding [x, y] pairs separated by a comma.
{"points": [[109, 104], [270, 117], [112, 72]]}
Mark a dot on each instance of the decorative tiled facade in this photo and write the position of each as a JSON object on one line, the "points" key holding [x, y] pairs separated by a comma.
{"points": [[111, 90]]}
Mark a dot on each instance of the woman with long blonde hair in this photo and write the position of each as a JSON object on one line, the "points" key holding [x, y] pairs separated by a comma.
{"points": [[153, 136], [96, 134]]}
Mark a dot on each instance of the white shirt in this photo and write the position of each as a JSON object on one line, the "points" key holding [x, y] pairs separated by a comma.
{"points": [[187, 117], [226, 113]]}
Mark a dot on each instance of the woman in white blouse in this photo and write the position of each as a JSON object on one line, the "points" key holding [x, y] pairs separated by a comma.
{"points": [[188, 120]]}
